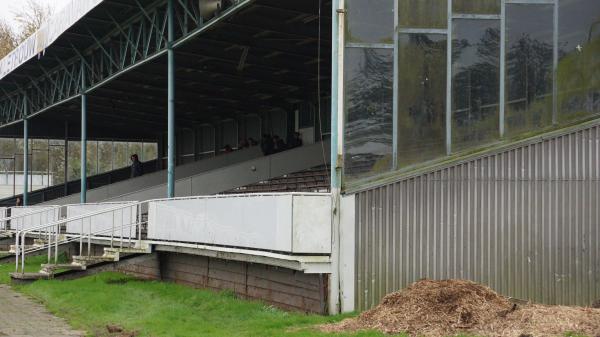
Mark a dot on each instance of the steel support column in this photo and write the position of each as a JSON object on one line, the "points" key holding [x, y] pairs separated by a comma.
{"points": [[66, 159], [337, 154], [25, 200], [83, 163], [171, 103]]}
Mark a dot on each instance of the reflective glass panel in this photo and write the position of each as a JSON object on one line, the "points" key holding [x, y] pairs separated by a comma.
{"points": [[421, 97], [529, 59], [369, 111], [370, 21], [475, 82], [579, 59], [92, 158], [423, 13], [39, 169], [136, 148], [105, 153], [7, 147], [74, 160], [121, 156], [150, 151], [476, 6], [57, 163]]}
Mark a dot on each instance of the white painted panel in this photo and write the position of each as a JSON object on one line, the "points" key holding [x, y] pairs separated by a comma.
{"points": [[258, 222], [347, 252], [104, 223], [43, 215], [312, 224], [289, 223], [3, 214]]}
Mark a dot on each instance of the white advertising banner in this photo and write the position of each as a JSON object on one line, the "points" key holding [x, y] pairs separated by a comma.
{"points": [[46, 35], [42, 215], [105, 223], [284, 223]]}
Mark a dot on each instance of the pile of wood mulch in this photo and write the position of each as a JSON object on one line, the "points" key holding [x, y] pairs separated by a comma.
{"points": [[451, 307]]}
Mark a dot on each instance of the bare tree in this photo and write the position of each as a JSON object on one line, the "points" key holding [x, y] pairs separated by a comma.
{"points": [[8, 39], [30, 18]]}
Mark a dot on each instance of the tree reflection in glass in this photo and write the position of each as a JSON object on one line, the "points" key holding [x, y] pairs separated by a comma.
{"points": [[579, 59], [421, 97], [475, 83], [529, 62], [369, 106]]}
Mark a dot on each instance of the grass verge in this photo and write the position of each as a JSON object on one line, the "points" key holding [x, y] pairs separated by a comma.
{"points": [[163, 309]]}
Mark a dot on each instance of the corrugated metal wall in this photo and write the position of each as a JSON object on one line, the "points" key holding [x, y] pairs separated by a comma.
{"points": [[525, 222]]}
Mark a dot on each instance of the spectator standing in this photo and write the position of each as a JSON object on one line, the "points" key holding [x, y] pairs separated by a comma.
{"points": [[136, 166]]}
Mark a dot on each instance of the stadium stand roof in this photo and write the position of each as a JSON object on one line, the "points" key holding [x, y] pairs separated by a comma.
{"points": [[251, 56]]}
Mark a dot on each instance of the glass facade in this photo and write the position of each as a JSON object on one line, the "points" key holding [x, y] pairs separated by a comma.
{"points": [[476, 7], [423, 13], [428, 83], [374, 21], [579, 56], [529, 62], [421, 102], [369, 101], [475, 82]]}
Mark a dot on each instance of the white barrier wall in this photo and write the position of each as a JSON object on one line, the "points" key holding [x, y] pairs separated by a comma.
{"points": [[43, 215], [291, 223], [3, 214], [103, 224]]}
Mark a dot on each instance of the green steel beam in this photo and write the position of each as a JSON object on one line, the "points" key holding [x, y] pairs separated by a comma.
{"points": [[83, 163], [171, 104], [25, 155], [61, 83]]}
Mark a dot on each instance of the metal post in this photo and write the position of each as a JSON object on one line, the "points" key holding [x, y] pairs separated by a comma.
{"points": [[337, 154], [171, 104], [449, 81], [25, 156], [502, 98], [555, 66], [83, 164], [395, 94], [66, 173]]}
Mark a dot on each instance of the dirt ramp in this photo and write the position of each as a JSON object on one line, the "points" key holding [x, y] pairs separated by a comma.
{"points": [[450, 307]]}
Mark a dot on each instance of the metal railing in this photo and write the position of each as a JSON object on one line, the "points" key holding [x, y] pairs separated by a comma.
{"points": [[126, 233], [17, 222], [56, 233], [74, 186]]}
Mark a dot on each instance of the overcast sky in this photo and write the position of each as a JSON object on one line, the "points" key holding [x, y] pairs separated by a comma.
{"points": [[9, 7]]}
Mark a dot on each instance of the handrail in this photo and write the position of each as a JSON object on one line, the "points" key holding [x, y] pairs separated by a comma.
{"points": [[53, 229], [42, 209]]}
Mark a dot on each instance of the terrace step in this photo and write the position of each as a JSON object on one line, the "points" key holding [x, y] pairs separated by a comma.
{"points": [[124, 250], [30, 276], [51, 268], [80, 263], [91, 260], [4, 253], [26, 247]]}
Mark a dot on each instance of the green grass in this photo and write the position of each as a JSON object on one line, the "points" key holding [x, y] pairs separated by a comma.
{"points": [[166, 309], [163, 309]]}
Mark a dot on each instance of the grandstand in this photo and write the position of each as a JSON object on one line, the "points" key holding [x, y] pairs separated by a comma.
{"points": [[456, 139]]}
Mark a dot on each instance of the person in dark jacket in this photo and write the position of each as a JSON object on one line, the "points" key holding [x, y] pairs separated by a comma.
{"points": [[136, 166], [266, 145]]}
